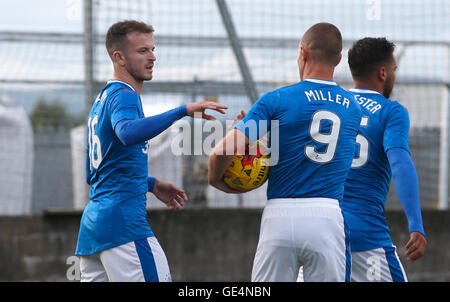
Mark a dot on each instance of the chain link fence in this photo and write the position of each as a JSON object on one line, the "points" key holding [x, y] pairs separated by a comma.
{"points": [[44, 74]]}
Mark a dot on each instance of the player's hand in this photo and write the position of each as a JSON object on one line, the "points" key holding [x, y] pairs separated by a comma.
{"points": [[170, 194], [200, 107], [239, 118], [415, 248]]}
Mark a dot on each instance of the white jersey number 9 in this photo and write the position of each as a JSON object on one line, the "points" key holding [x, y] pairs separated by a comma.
{"points": [[330, 138], [94, 143]]}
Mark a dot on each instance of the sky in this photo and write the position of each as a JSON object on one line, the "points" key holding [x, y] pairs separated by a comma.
{"points": [[409, 18], [399, 20], [41, 15]]}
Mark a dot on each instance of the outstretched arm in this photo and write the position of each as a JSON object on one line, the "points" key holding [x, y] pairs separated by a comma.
{"points": [[133, 131], [407, 187]]}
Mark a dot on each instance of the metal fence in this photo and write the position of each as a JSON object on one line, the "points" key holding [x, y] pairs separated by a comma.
{"points": [[233, 50]]}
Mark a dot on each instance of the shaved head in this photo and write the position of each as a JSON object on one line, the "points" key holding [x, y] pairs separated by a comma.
{"points": [[324, 41]]}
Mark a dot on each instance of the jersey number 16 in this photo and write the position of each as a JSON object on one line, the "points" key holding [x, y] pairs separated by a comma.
{"points": [[95, 148]]}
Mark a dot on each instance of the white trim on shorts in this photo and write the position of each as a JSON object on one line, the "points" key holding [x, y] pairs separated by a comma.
{"points": [[137, 261]]}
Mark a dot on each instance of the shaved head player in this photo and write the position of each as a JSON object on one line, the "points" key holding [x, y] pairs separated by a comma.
{"points": [[302, 223]]}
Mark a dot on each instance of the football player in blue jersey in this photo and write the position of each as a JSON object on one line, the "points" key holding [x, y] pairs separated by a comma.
{"points": [[382, 152], [115, 241], [302, 223]]}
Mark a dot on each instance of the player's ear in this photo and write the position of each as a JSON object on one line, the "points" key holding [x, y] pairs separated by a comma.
{"points": [[382, 73], [119, 58], [304, 53], [339, 60]]}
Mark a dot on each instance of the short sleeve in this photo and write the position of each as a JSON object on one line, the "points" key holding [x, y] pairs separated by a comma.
{"points": [[396, 132], [124, 105], [257, 122]]}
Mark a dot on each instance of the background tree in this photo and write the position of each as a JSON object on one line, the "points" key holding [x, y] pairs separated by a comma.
{"points": [[53, 116]]}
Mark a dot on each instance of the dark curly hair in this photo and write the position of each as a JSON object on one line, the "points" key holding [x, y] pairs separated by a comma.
{"points": [[368, 54], [117, 33]]}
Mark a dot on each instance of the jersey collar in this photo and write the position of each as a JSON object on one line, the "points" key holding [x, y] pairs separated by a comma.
{"points": [[321, 81], [117, 81], [361, 90]]}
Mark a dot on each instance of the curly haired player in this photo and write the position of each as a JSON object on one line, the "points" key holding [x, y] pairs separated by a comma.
{"points": [[383, 152]]}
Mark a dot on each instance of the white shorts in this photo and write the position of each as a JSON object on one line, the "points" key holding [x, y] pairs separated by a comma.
{"points": [[137, 261], [378, 265], [308, 232]]}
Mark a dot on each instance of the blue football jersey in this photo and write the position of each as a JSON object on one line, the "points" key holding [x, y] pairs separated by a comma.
{"points": [[384, 125], [317, 126], [116, 213]]}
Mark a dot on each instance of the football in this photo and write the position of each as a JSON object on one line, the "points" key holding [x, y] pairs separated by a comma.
{"points": [[247, 172]]}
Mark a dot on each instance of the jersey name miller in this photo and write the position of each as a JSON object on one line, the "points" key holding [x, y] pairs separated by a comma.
{"points": [[319, 95]]}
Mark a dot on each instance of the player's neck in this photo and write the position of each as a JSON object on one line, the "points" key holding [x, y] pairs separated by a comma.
{"points": [[318, 72], [368, 85], [127, 78]]}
